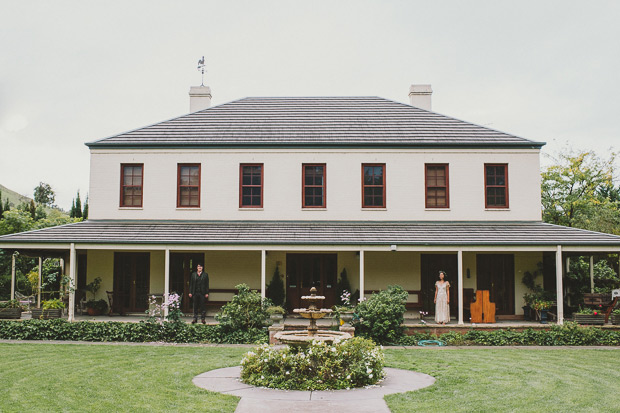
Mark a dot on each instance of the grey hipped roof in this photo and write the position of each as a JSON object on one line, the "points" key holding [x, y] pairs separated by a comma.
{"points": [[312, 233], [315, 121]]}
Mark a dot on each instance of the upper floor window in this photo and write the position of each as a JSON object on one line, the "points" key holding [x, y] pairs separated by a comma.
{"points": [[496, 185], [251, 186], [313, 186], [131, 185], [188, 185], [373, 185], [436, 178]]}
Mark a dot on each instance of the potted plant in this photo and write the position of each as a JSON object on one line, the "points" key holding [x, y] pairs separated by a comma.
{"points": [[95, 307], [344, 312], [49, 309], [11, 309], [589, 316], [528, 298], [542, 308], [276, 314], [615, 316]]}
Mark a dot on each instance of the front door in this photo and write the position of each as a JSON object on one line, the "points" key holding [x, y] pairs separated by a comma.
{"points": [[431, 264], [181, 267], [496, 273], [304, 271], [131, 281]]}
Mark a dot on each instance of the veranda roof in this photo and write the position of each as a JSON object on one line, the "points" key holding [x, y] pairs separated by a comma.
{"points": [[311, 233]]}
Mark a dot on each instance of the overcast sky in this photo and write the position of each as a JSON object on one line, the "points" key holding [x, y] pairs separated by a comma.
{"points": [[76, 71]]}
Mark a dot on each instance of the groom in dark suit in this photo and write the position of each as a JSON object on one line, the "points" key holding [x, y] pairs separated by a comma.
{"points": [[199, 292]]}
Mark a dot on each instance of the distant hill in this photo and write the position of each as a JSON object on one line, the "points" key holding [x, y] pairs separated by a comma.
{"points": [[16, 199]]}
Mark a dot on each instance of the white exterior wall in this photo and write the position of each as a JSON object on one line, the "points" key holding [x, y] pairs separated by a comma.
{"points": [[282, 184]]}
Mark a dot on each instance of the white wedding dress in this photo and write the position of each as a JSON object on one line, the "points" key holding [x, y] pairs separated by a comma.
{"points": [[442, 309]]}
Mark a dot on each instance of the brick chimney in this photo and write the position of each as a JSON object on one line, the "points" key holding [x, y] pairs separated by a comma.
{"points": [[420, 96], [199, 98]]}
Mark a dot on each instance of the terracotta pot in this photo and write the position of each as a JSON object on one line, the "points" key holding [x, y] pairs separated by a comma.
{"points": [[93, 311]]}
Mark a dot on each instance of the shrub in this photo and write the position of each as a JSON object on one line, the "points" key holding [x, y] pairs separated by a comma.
{"points": [[345, 364], [60, 329], [246, 311], [380, 318]]}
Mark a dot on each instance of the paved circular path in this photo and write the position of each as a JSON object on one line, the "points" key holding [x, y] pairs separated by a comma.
{"points": [[362, 400]]}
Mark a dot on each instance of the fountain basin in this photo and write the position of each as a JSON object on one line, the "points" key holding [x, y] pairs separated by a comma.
{"points": [[302, 338], [312, 314]]}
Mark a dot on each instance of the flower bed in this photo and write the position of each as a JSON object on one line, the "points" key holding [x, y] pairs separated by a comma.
{"points": [[356, 362]]}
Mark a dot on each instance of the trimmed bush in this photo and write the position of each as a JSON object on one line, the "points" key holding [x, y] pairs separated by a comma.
{"points": [[345, 364], [569, 334], [381, 317], [245, 312], [60, 329]]}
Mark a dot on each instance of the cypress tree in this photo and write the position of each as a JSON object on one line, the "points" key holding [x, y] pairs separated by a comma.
{"points": [[78, 206], [72, 212], [33, 210], [85, 212]]}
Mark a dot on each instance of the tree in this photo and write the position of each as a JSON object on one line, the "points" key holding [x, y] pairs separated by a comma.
{"points": [[44, 194], [76, 207], [16, 220], [32, 209], [578, 191], [85, 211]]}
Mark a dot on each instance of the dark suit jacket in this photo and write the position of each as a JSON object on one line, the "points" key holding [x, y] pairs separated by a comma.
{"points": [[199, 285]]}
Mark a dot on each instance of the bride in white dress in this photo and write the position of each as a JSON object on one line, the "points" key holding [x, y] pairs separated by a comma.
{"points": [[442, 300]]}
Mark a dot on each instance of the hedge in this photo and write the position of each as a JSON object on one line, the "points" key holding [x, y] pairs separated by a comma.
{"points": [[569, 334], [59, 329]]}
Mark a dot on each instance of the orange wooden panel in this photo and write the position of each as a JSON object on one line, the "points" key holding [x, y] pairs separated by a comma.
{"points": [[476, 308]]}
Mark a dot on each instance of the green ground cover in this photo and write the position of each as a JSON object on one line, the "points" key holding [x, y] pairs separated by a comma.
{"points": [[70, 377]]}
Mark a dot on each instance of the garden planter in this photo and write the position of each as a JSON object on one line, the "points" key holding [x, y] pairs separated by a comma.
{"points": [[346, 318], [590, 319], [526, 313], [11, 313], [38, 313], [615, 319], [276, 319], [543, 316]]}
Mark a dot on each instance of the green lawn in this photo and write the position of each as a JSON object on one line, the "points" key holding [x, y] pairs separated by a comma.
{"points": [[69, 377]]}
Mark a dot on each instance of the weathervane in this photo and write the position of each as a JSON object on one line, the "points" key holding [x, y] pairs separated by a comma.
{"points": [[201, 68]]}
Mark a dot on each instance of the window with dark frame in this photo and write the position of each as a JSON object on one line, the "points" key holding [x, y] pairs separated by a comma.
{"points": [[131, 185], [437, 189], [496, 185], [188, 186], [251, 186], [373, 186], [313, 185]]}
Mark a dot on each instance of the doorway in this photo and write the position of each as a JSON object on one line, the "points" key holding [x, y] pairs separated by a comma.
{"points": [[181, 267], [132, 275], [496, 273], [304, 271], [431, 264]]}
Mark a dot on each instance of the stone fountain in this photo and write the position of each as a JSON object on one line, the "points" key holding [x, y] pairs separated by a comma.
{"points": [[313, 313]]}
